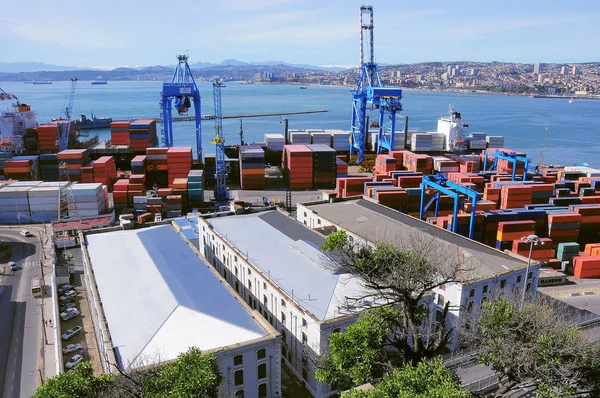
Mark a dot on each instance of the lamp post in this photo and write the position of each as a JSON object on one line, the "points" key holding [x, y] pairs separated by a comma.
{"points": [[532, 240]]}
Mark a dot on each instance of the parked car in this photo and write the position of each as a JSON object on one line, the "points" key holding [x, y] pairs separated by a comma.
{"points": [[26, 233], [71, 332], [13, 266], [68, 296], [72, 348], [64, 288], [74, 361], [66, 306], [69, 314]]}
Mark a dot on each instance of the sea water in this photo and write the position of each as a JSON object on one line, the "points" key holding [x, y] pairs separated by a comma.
{"points": [[573, 135]]}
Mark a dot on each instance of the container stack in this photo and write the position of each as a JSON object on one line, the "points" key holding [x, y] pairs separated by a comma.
{"points": [[120, 198], [139, 204], [136, 187], [515, 196], [567, 250], [179, 161], [4, 156], [298, 166], [89, 200], [25, 168], [320, 138], [418, 163], [564, 227], [589, 231], [299, 137], [351, 186], [542, 252], [75, 160], [495, 141], [174, 206], [180, 189], [341, 168], [138, 164], [14, 202], [30, 140], [105, 171], [384, 164], [444, 165], [438, 141], [155, 205], [53, 136], [210, 169], [324, 166], [195, 187], [509, 231], [592, 249], [44, 201], [275, 142], [463, 225], [421, 142], [87, 173], [156, 159], [119, 133], [586, 266], [142, 135], [341, 140], [477, 141], [252, 167]]}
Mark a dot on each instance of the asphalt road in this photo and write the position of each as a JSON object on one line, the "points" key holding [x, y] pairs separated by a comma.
{"points": [[20, 318]]}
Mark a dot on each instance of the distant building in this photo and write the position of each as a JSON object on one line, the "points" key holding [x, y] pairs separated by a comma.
{"points": [[449, 70], [473, 72], [574, 70], [541, 78], [398, 74], [536, 67], [563, 70]]}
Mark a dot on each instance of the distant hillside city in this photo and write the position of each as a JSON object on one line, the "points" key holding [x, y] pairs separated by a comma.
{"points": [[580, 80]]}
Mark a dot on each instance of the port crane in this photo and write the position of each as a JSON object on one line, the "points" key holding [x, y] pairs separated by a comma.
{"points": [[508, 156], [370, 92], [221, 193], [439, 183], [4, 96], [183, 90]]}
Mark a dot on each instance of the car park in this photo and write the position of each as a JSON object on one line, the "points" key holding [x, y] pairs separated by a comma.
{"points": [[74, 361], [66, 306], [72, 348], [64, 288], [71, 332], [68, 296], [69, 314], [13, 266]]}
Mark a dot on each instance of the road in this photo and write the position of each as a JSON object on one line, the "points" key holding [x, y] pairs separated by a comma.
{"points": [[20, 318]]}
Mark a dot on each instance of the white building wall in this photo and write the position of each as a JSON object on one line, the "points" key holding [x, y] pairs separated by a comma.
{"points": [[276, 306]]}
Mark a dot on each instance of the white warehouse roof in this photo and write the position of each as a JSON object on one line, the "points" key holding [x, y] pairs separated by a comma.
{"points": [[160, 298]]}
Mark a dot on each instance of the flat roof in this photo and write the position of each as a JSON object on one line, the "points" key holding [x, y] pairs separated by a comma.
{"points": [[288, 253], [375, 222], [160, 298]]}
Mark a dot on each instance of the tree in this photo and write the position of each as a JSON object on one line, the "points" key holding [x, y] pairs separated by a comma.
{"points": [[404, 278], [532, 345], [428, 379], [81, 382]]}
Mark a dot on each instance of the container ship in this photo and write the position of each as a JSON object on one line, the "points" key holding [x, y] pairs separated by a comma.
{"points": [[93, 123], [99, 80]]}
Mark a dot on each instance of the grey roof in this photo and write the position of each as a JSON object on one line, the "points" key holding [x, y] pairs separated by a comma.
{"points": [[289, 254], [160, 298], [375, 222]]}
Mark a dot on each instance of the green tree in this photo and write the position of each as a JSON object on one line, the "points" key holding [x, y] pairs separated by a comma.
{"points": [[81, 382], [428, 379], [531, 345], [402, 278]]}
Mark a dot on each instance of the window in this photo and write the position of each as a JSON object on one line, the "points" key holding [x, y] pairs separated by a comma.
{"points": [[336, 330], [239, 377], [528, 287], [237, 286], [502, 283], [283, 337], [440, 300], [265, 300], [203, 228], [224, 273], [249, 285], [239, 394], [469, 306], [283, 351], [238, 360], [262, 390], [261, 354], [304, 214], [485, 289], [483, 300], [222, 246], [235, 258], [304, 324], [304, 338], [529, 275], [472, 293], [283, 318], [319, 221], [283, 303], [519, 279], [304, 373], [235, 271], [249, 272], [262, 371]]}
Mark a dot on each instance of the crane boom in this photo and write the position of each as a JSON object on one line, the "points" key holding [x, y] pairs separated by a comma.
{"points": [[221, 193]]}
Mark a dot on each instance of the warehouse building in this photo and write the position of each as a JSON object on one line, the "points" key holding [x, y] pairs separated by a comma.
{"points": [[487, 272], [275, 264], [152, 298]]}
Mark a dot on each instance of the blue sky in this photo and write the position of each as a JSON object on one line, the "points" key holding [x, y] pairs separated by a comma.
{"points": [[113, 33]]}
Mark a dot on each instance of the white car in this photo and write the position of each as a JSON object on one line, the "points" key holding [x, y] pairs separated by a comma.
{"points": [[64, 289], [70, 313], [74, 361], [13, 266], [70, 295], [71, 332], [26, 233], [72, 347]]}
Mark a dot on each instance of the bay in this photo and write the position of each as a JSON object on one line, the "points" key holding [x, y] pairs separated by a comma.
{"points": [[574, 133]]}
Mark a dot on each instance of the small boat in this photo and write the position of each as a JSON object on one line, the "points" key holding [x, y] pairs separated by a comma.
{"points": [[42, 82], [303, 87], [571, 101]]}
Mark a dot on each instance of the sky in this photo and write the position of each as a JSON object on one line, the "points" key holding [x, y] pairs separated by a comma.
{"points": [[112, 33]]}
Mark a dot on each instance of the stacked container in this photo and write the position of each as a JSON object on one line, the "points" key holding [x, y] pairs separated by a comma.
{"points": [[445, 165], [30, 140], [195, 187], [298, 166], [275, 142], [384, 164], [421, 142], [53, 136], [119, 133], [174, 206], [75, 160], [156, 159], [515, 196], [586, 266], [87, 173], [567, 250], [105, 171], [252, 167], [495, 141], [351, 186], [139, 204], [4, 156], [22, 168], [418, 163], [341, 168], [138, 164], [179, 161], [299, 137], [341, 140], [542, 252], [137, 186], [180, 189], [120, 197], [590, 223], [89, 200], [14, 202], [210, 169], [320, 138], [563, 227], [324, 166], [44, 201], [142, 134], [477, 141], [509, 231], [438, 141]]}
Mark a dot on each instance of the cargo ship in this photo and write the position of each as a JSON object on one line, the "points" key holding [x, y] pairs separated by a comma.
{"points": [[94, 123], [99, 80], [41, 82]]}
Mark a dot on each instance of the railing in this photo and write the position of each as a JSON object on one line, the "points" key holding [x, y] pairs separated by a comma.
{"points": [[483, 384]]}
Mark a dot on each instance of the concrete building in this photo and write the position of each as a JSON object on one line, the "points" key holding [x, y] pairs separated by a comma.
{"points": [[275, 264], [152, 297], [537, 67], [574, 70], [487, 271], [541, 78], [563, 70]]}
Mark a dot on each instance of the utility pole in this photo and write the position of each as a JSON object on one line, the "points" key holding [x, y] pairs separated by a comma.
{"points": [[544, 147]]}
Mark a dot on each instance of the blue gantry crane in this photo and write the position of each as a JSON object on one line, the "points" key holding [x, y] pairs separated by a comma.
{"points": [[370, 92], [508, 156], [440, 184], [183, 90], [221, 193]]}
